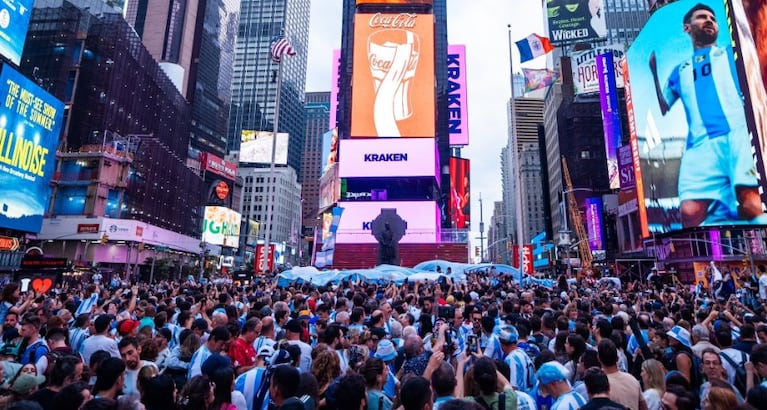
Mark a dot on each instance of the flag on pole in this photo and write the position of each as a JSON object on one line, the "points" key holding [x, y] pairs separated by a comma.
{"points": [[539, 78], [280, 47], [533, 46]]}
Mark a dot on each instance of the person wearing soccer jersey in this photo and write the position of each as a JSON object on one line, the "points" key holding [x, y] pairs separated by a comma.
{"points": [[717, 176]]}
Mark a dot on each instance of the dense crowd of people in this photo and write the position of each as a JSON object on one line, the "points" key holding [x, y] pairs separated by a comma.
{"points": [[480, 343]]}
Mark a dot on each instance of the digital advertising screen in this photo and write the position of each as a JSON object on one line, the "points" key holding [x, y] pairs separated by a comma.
{"points": [[14, 22], [391, 157], [256, 147], [460, 190], [329, 149], [335, 86], [218, 166], [572, 21], [421, 219], [594, 223], [330, 188], [221, 226], [611, 117], [696, 143], [390, 189], [393, 81], [457, 101], [584, 68], [30, 126]]}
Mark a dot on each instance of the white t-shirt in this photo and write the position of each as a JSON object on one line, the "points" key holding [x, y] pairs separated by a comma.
{"points": [[131, 377], [763, 287]]}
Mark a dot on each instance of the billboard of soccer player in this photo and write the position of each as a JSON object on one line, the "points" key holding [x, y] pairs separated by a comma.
{"points": [[693, 128]]}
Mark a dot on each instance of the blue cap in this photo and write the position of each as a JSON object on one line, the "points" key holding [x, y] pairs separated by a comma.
{"points": [[550, 373]]}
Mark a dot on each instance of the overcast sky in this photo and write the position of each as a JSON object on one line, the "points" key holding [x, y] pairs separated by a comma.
{"points": [[482, 26]]}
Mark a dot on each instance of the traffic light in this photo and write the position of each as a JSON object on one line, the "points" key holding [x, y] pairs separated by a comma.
{"points": [[476, 251], [104, 239]]}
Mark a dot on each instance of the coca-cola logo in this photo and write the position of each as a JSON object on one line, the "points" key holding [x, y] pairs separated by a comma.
{"points": [[402, 20]]}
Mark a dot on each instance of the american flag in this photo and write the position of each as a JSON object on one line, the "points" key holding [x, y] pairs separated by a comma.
{"points": [[280, 47]]}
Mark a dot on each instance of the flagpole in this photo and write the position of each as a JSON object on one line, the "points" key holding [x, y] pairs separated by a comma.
{"points": [[268, 230], [517, 166]]}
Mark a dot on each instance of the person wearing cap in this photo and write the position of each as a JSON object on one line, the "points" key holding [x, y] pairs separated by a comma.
{"points": [[294, 329], [100, 340], [241, 351], [387, 352], [216, 343], [681, 354], [127, 328], [552, 381], [25, 385], [522, 370], [624, 388]]}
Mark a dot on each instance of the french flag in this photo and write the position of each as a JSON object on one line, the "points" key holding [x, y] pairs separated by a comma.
{"points": [[533, 46]]}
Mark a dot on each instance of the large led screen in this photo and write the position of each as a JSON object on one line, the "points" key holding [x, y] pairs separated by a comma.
{"points": [[256, 147], [387, 157], [329, 150], [335, 86], [460, 190], [221, 226], [218, 166], [572, 21], [14, 22], [457, 101], [393, 81], [30, 125], [594, 223], [421, 219], [691, 132], [611, 117], [584, 68]]}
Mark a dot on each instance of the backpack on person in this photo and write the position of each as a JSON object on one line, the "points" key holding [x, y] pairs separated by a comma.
{"points": [[501, 402], [740, 371]]}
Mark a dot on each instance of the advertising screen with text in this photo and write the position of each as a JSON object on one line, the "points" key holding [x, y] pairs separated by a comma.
{"points": [[421, 218], [393, 81], [460, 190], [388, 157], [221, 226]]}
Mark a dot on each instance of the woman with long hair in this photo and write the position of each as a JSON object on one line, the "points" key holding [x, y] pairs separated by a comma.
{"points": [[574, 346], [375, 372], [653, 379], [326, 367], [223, 384], [197, 394], [721, 396], [177, 363]]}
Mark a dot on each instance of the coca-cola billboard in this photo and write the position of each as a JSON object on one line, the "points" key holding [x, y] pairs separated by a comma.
{"points": [[216, 165]]}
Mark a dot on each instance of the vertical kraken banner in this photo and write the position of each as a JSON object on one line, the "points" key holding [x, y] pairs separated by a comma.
{"points": [[393, 83], [30, 125]]}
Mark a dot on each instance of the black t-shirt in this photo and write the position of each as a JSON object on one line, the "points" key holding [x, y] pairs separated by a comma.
{"points": [[45, 398], [602, 403]]}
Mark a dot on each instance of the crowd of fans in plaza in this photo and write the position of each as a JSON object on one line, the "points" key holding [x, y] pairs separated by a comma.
{"points": [[480, 343]]}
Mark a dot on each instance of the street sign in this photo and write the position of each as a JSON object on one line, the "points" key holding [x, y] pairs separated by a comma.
{"points": [[9, 243]]}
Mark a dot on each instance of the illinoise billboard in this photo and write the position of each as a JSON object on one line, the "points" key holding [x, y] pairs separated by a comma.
{"points": [[218, 166], [388, 157], [699, 147], [573, 21], [30, 125], [460, 200], [221, 226], [256, 147], [393, 81], [421, 219], [457, 100]]}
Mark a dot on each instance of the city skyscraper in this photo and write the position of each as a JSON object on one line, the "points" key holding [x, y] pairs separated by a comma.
{"points": [[194, 44], [254, 83], [317, 109]]}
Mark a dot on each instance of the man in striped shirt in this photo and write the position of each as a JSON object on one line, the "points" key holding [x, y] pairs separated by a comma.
{"points": [[553, 382], [217, 342], [726, 187], [79, 332], [522, 371]]}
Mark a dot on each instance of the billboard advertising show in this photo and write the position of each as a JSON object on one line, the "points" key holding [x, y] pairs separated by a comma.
{"points": [[611, 116], [626, 168], [572, 21], [387, 157], [216, 165], [256, 147], [221, 226], [594, 223], [460, 190], [14, 22], [330, 188], [421, 220], [584, 68], [393, 82], [691, 131], [30, 125], [457, 101], [335, 87]]}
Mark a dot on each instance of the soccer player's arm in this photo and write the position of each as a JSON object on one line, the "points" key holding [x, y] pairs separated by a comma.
{"points": [[662, 102]]}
